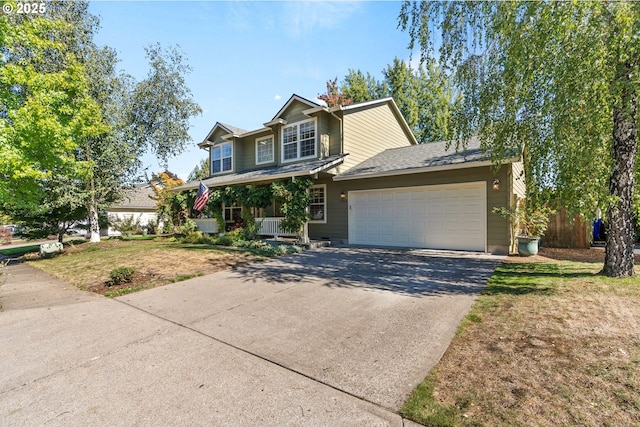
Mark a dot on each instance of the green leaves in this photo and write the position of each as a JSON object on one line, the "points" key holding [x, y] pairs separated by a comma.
{"points": [[46, 111], [554, 79], [162, 104]]}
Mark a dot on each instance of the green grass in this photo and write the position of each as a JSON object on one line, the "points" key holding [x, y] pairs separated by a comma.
{"points": [[158, 261], [20, 250], [422, 407], [123, 291]]}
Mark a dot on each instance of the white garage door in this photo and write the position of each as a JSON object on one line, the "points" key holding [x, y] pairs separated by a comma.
{"points": [[437, 216]]}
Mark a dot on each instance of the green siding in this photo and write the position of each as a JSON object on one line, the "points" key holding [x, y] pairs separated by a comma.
{"points": [[295, 112], [247, 151], [328, 129], [369, 131], [498, 237]]}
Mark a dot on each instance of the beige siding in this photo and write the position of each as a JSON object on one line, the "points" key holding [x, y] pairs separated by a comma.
{"points": [[498, 237], [370, 131], [519, 186]]}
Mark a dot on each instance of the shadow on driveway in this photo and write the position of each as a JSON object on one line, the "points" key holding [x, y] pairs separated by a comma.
{"points": [[407, 272]]}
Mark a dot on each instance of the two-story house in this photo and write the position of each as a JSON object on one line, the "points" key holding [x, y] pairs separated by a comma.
{"points": [[373, 184]]}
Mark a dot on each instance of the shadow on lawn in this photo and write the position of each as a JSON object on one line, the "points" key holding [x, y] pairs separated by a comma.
{"points": [[531, 278], [414, 273]]}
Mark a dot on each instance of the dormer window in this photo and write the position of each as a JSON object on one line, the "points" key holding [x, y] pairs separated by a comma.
{"points": [[222, 158], [299, 140]]}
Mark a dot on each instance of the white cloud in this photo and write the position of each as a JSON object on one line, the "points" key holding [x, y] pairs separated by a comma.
{"points": [[277, 97], [310, 16]]}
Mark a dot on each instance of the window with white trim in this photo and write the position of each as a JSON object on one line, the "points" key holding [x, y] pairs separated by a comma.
{"points": [[299, 140], [222, 158], [264, 150], [318, 205]]}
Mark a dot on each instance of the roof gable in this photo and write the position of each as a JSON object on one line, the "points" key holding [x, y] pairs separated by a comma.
{"points": [[223, 129], [294, 98], [360, 106]]}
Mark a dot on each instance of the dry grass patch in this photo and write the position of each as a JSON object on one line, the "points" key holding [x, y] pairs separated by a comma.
{"points": [[156, 263], [548, 343]]}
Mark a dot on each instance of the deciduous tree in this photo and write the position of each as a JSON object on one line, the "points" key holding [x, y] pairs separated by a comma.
{"points": [[67, 110], [558, 80]]}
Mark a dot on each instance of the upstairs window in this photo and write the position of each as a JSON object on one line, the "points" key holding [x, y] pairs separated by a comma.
{"points": [[222, 158], [264, 150], [299, 140]]}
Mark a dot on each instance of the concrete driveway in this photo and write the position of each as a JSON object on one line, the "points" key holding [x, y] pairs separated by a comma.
{"points": [[338, 336]]}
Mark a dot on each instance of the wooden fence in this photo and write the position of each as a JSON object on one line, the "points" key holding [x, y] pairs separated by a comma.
{"points": [[563, 233]]}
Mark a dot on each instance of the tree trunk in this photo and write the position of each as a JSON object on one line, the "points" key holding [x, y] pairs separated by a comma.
{"points": [[619, 259], [94, 226]]}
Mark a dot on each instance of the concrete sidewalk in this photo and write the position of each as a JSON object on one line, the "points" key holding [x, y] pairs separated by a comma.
{"points": [[301, 340]]}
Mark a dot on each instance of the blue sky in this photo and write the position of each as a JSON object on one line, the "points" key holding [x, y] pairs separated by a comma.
{"points": [[249, 57]]}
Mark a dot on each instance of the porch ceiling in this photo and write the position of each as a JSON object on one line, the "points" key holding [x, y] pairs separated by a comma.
{"points": [[268, 174]]}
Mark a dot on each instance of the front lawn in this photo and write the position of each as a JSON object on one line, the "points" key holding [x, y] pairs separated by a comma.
{"points": [[548, 343], [155, 263]]}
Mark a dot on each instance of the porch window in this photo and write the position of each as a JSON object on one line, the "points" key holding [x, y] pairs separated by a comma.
{"points": [[299, 140], [232, 213], [222, 158], [318, 205], [264, 150]]}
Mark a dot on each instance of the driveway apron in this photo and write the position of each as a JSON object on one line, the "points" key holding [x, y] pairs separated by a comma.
{"points": [[338, 336], [370, 322]]}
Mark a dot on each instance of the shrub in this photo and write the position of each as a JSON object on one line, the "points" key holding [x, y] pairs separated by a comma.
{"points": [[196, 237], [188, 227], [127, 225], [121, 275], [225, 240], [192, 237]]}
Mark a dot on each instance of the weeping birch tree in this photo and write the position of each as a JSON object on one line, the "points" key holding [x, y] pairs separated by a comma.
{"points": [[557, 80]]}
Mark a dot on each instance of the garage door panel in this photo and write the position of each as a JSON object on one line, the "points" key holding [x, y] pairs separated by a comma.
{"points": [[439, 217]]}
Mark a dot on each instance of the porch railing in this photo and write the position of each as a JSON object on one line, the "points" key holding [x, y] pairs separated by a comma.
{"points": [[268, 227], [271, 227], [207, 225]]}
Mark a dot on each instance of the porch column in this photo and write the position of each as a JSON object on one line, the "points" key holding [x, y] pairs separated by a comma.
{"points": [[305, 233]]}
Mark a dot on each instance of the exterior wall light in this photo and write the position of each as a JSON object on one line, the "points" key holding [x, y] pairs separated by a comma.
{"points": [[343, 195], [496, 184]]}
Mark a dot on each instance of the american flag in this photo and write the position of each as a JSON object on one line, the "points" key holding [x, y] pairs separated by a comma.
{"points": [[201, 198]]}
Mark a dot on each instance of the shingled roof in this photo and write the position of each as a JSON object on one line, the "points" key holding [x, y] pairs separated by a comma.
{"points": [[268, 174], [419, 158], [137, 198], [234, 130]]}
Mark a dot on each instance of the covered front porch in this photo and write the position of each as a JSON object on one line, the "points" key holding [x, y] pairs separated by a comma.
{"points": [[268, 227], [240, 198]]}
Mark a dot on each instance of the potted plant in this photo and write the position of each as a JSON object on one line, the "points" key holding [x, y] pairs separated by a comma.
{"points": [[531, 224]]}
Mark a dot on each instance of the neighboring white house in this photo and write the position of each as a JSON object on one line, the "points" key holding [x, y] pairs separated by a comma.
{"points": [[138, 203]]}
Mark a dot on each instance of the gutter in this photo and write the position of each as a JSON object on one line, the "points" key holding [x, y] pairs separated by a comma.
{"points": [[396, 172]]}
